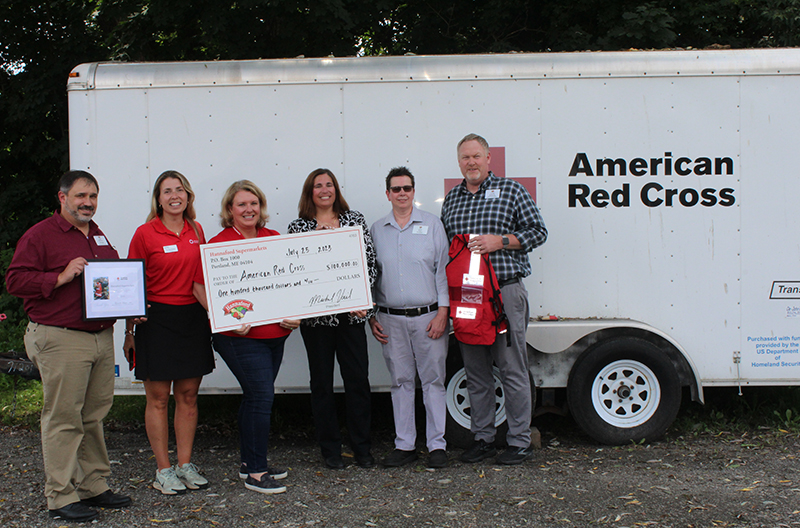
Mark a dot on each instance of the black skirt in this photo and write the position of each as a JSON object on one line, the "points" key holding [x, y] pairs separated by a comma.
{"points": [[174, 343]]}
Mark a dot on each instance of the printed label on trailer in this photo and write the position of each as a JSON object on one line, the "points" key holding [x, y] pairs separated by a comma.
{"points": [[666, 181], [775, 351], [785, 290]]}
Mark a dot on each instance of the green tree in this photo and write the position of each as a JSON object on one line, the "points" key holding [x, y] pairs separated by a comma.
{"points": [[39, 45], [646, 26], [247, 29], [780, 22]]}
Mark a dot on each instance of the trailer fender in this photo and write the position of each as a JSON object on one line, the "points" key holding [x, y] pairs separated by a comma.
{"points": [[555, 346]]}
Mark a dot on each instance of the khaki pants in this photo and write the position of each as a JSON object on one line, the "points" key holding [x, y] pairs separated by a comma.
{"points": [[77, 370]]}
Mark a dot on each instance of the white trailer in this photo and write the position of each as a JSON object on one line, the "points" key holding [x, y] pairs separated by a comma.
{"points": [[667, 180]]}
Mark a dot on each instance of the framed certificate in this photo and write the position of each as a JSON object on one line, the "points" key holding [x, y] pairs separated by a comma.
{"points": [[114, 289], [260, 281]]}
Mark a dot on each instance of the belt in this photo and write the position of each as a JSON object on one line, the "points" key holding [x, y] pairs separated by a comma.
{"points": [[409, 312], [87, 331], [506, 282], [73, 329]]}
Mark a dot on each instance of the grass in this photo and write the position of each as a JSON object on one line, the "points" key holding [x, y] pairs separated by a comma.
{"points": [[758, 408], [214, 410], [20, 401], [762, 409], [21, 404]]}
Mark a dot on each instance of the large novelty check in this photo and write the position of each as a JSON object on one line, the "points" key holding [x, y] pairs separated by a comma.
{"points": [[265, 280]]}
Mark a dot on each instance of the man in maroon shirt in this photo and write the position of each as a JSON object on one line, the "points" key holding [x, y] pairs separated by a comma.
{"points": [[75, 357]]}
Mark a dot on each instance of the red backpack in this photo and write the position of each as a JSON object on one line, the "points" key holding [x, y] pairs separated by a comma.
{"points": [[476, 306]]}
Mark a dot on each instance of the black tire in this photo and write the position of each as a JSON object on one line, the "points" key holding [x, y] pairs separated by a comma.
{"points": [[624, 390], [457, 431]]}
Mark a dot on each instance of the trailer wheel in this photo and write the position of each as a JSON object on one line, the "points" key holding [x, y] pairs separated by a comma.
{"points": [[457, 430], [624, 390]]}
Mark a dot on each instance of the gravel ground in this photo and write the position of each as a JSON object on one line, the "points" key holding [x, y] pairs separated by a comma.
{"points": [[702, 480]]}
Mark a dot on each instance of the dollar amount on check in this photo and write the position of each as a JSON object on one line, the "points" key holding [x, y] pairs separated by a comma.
{"points": [[265, 280]]}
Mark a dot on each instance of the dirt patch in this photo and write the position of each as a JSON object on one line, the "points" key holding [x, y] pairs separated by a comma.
{"points": [[707, 480]]}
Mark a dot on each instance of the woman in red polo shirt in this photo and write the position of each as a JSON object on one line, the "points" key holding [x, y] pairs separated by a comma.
{"points": [[253, 354], [173, 346]]}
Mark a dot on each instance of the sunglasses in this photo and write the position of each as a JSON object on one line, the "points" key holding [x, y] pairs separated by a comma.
{"points": [[406, 188]]}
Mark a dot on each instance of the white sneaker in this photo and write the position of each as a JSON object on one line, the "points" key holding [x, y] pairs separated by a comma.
{"points": [[190, 476], [168, 483]]}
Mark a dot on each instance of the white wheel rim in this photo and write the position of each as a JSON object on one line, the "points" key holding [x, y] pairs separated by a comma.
{"points": [[458, 399], [626, 393]]}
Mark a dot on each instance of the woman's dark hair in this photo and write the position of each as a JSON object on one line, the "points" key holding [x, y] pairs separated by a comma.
{"points": [[306, 208]]}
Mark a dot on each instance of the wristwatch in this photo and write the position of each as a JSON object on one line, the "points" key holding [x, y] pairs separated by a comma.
{"points": [[506, 242]]}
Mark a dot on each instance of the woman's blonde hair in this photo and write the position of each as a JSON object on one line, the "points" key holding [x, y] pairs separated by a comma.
{"points": [[155, 208], [225, 216]]}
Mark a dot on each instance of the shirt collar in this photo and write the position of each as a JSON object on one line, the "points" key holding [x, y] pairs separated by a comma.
{"points": [[260, 232], [65, 224], [416, 216], [485, 184], [159, 226]]}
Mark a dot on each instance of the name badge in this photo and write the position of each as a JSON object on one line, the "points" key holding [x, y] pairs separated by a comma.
{"points": [[419, 230], [472, 280], [492, 194], [171, 249], [100, 240], [466, 313]]}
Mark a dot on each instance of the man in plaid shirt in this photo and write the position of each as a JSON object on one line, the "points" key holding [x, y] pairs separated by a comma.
{"points": [[508, 226]]}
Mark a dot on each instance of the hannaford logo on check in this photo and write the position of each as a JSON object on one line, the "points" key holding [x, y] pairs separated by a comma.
{"points": [[238, 308]]}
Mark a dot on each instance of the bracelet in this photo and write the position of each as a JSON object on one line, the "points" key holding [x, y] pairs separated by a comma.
{"points": [[129, 332]]}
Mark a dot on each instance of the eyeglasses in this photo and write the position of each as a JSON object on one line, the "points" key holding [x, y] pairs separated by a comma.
{"points": [[406, 188]]}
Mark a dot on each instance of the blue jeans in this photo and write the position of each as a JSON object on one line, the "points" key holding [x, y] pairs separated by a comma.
{"points": [[255, 363]]}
